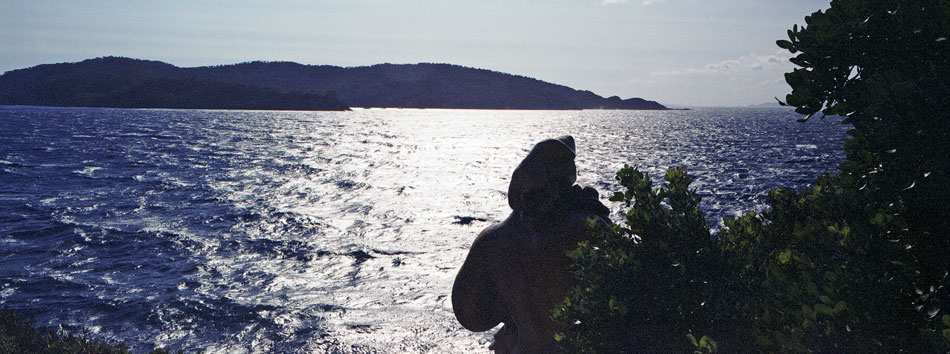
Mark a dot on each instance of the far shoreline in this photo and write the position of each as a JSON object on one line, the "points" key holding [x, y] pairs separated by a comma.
{"points": [[350, 109]]}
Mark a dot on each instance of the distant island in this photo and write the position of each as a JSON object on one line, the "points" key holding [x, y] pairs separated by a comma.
{"points": [[134, 83]]}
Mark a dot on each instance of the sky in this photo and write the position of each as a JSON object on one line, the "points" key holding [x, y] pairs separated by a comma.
{"points": [[677, 52]]}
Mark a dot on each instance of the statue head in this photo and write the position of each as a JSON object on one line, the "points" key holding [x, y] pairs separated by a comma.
{"points": [[543, 176]]}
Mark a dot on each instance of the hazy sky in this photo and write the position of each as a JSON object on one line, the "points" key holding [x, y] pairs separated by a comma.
{"points": [[689, 52]]}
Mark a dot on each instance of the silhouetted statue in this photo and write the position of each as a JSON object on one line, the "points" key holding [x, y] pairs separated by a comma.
{"points": [[517, 270]]}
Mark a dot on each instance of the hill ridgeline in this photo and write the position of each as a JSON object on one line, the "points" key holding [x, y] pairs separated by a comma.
{"points": [[134, 83]]}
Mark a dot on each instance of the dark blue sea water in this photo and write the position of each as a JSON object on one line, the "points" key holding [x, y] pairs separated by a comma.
{"points": [[232, 231]]}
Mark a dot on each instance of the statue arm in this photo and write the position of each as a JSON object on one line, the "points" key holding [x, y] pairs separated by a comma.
{"points": [[475, 299]]}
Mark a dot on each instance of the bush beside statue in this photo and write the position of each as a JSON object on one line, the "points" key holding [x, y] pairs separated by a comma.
{"points": [[857, 263]]}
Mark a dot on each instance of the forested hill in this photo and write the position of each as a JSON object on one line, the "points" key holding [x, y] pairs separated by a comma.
{"points": [[131, 83], [125, 82]]}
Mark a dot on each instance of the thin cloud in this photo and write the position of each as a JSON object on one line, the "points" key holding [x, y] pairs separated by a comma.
{"points": [[641, 81], [770, 83], [642, 2], [749, 62]]}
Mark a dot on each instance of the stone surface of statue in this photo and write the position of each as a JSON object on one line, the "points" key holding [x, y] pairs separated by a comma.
{"points": [[517, 270]]}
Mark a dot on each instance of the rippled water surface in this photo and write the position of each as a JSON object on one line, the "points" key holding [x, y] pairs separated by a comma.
{"points": [[230, 231]]}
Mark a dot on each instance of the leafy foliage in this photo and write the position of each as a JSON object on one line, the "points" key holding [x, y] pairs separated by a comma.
{"points": [[815, 273], [883, 65], [821, 274], [856, 263], [651, 276]]}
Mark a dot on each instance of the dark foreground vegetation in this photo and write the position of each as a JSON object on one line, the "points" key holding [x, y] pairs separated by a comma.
{"points": [[856, 264], [125, 82], [18, 335]]}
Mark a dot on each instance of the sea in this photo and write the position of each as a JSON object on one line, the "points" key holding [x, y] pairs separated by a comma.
{"points": [[322, 232]]}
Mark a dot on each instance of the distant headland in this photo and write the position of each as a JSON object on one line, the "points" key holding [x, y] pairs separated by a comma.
{"points": [[134, 83]]}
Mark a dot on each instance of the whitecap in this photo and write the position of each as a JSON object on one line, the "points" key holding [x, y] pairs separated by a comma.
{"points": [[88, 171], [7, 292], [49, 201]]}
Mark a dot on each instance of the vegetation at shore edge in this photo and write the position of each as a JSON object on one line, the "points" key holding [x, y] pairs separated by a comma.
{"points": [[856, 263]]}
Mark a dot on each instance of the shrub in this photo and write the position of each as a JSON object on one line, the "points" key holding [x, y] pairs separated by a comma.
{"points": [[650, 281], [822, 274], [857, 263], [814, 273]]}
